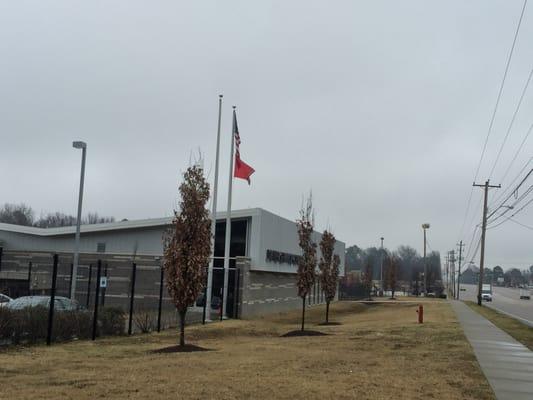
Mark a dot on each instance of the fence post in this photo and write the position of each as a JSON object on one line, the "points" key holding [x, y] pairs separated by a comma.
{"points": [[221, 307], [1, 252], [237, 281], [52, 303], [89, 285], [70, 286], [95, 316], [104, 289], [205, 301], [132, 295], [29, 278], [160, 300]]}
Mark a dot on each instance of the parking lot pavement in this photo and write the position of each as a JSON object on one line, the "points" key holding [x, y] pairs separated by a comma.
{"points": [[506, 300]]}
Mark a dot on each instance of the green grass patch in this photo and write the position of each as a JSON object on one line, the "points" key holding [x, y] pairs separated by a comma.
{"points": [[515, 328]]}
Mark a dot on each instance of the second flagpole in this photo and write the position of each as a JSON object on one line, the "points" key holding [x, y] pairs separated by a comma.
{"points": [[214, 219], [227, 241]]}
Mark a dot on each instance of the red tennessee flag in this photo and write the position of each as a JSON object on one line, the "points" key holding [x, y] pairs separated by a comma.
{"points": [[242, 170]]}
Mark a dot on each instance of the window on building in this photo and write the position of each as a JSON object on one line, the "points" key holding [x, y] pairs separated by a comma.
{"points": [[100, 247]]}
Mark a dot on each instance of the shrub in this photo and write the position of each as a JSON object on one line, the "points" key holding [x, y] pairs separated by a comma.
{"points": [[6, 324], [144, 319], [29, 324], [72, 324], [112, 321]]}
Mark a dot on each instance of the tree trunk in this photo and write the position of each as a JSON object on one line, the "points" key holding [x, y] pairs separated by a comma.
{"points": [[182, 327], [327, 312], [303, 312]]}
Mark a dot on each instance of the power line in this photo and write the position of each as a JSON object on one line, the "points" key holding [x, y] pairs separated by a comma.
{"points": [[511, 123], [517, 152], [498, 98], [512, 182], [508, 218], [521, 224], [514, 191], [512, 206]]}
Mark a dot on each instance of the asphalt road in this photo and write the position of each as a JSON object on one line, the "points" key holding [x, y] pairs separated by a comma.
{"points": [[506, 300]]}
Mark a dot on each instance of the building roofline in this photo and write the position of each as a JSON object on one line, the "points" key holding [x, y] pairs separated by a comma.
{"points": [[113, 226]]}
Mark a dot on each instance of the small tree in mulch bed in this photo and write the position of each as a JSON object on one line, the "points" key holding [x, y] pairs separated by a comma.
{"points": [[329, 268], [307, 262], [367, 277], [187, 245]]}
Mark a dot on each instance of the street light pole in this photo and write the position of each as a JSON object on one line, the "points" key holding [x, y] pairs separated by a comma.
{"points": [[424, 227], [83, 147], [381, 273]]}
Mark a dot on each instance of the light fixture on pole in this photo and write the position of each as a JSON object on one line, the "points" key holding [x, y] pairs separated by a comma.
{"points": [[424, 227], [83, 147]]}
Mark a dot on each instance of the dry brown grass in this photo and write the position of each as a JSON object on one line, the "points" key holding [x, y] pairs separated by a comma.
{"points": [[379, 352]]}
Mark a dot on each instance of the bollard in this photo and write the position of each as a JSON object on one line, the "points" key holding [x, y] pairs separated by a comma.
{"points": [[420, 313]]}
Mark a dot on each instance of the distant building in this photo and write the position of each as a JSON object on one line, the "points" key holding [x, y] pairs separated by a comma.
{"points": [[470, 275]]}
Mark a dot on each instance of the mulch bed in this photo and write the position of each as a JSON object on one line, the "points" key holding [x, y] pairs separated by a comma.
{"points": [[329, 324], [188, 348], [303, 333]]}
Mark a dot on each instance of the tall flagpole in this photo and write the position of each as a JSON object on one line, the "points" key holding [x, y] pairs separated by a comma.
{"points": [[214, 219], [228, 222]]}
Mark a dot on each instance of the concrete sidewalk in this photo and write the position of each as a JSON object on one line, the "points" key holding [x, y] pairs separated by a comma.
{"points": [[507, 364]]}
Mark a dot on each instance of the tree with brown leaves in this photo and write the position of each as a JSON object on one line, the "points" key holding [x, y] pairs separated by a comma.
{"points": [[307, 262], [187, 245], [329, 268]]}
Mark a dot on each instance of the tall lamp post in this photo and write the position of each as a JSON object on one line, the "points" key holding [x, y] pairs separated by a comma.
{"points": [[83, 147], [381, 269], [424, 227]]}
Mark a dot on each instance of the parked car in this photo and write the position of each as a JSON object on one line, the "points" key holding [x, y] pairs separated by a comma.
{"points": [[61, 303], [215, 302], [525, 294], [4, 300]]}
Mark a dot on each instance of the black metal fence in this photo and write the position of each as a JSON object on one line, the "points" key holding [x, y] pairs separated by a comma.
{"points": [[116, 294]]}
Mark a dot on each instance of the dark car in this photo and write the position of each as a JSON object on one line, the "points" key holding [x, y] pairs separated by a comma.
{"points": [[61, 303], [215, 302]]}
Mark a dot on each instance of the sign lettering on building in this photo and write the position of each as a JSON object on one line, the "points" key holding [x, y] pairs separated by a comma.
{"points": [[281, 257]]}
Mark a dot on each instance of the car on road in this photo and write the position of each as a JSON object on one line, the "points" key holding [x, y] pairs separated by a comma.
{"points": [[4, 300], [486, 292], [60, 303], [525, 294]]}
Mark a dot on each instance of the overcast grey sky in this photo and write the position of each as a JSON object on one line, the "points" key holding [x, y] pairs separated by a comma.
{"points": [[381, 108]]}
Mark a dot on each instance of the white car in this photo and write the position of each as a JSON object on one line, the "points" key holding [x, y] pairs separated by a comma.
{"points": [[525, 294], [486, 296], [4, 300]]}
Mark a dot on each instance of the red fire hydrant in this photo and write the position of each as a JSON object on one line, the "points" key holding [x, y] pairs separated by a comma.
{"points": [[420, 312]]}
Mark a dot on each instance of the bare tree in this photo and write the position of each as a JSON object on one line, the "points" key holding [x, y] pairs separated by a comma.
{"points": [[57, 219], [307, 262], [393, 263], [367, 277], [187, 245], [16, 214], [329, 268]]}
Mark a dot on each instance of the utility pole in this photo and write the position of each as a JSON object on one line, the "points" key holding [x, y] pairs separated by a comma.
{"points": [[461, 245], [486, 187], [424, 227], [452, 263]]}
